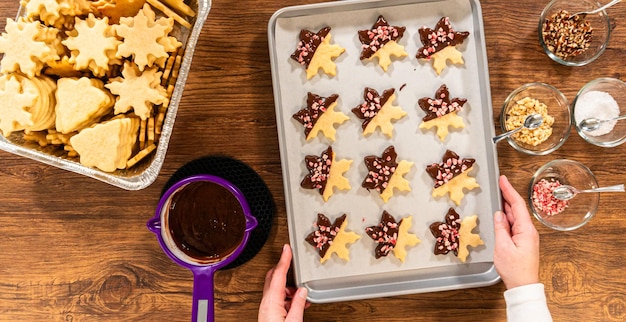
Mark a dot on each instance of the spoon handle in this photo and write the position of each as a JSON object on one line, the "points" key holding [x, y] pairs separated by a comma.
{"points": [[615, 188], [604, 6], [500, 137]]}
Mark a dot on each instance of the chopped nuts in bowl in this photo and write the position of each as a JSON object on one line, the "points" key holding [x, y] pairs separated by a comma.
{"points": [[538, 98], [573, 40]]}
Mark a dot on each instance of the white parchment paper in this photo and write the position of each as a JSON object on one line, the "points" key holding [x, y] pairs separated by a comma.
{"points": [[412, 80]]}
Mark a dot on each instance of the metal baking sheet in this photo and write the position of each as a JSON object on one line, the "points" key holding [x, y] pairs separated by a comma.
{"points": [[364, 276]]}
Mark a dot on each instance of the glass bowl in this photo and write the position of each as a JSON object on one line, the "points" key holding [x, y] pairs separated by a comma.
{"points": [[600, 34], [579, 210], [602, 98], [557, 107]]}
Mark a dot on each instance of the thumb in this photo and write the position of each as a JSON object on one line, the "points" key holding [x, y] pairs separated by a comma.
{"points": [[502, 230], [298, 303]]}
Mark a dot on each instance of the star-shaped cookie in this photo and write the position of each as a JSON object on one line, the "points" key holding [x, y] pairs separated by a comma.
{"points": [[455, 235], [378, 111], [26, 46], [331, 238], [319, 116], [384, 173], [392, 236], [451, 176], [381, 42], [16, 102], [441, 112], [439, 44], [315, 52], [326, 173]]}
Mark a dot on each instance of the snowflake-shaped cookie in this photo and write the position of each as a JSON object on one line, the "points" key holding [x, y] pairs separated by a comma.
{"points": [[439, 44], [326, 173], [455, 235], [381, 42], [331, 238], [138, 90], [451, 176], [315, 52], [392, 236], [319, 116], [16, 102], [145, 38], [441, 112], [93, 45], [26, 47], [384, 173], [378, 111]]}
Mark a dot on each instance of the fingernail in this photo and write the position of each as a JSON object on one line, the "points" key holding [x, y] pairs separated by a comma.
{"points": [[285, 247], [499, 216], [302, 292]]}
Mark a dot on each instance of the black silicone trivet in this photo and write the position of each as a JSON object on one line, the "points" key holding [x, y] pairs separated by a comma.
{"points": [[251, 185]]}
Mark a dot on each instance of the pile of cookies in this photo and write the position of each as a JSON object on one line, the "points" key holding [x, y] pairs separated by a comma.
{"points": [[92, 79], [378, 112]]}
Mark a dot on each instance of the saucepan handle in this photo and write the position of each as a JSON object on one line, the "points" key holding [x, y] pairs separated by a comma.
{"points": [[202, 308]]}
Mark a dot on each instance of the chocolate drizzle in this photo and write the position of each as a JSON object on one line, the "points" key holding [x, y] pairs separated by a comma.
{"points": [[442, 36], [322, 238], [380, 34], [372, 104], [319, 170], [447, 234], [380, 169], [385, 234], [440, 105], [315, 106], [451, 166], [308, 44]]}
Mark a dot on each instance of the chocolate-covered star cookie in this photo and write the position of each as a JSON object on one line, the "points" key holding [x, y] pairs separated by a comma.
{"points": [[378, 111], [381, 41], [331, 238], [384, 173], [440, 44], [314, 51], [325, 173], [451, 176], [319, 116], [455, 235]]}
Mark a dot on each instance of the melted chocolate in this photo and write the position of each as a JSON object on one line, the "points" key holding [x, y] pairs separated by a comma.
{"points": [[451, 167], [440, 105], [325, 233], [372, 104], [385, 234], [206, 221], [442, 36], [380, 34], [380, 169], [308, 44], [447, 234], [319, 170], [315, 106]]}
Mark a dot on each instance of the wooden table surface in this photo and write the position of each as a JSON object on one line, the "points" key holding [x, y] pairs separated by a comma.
{"points": [[77, 249]]}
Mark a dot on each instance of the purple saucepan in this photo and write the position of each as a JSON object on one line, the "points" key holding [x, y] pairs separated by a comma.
{"points": [[203, 309]]}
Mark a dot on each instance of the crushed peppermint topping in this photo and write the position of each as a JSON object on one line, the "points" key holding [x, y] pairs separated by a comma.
{"points": [[380, 34], [543, 199], [385, 234], [442, 36], [447, 233], [380, 170], [319, 170], [441, 104]]}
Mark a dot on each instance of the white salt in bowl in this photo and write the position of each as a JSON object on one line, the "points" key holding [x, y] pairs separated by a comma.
{"points": [[602, 98]]}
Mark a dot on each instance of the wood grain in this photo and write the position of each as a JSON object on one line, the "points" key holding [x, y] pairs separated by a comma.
{"points": [[76, 249]]}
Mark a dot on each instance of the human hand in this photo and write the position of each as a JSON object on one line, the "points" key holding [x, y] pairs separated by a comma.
{"points": [[281, 303], [516, 253]]}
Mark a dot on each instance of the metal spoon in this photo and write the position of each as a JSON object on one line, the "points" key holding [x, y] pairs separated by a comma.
{"points": [[566, 192], [531, 122], [592, 123], [590, 12]]}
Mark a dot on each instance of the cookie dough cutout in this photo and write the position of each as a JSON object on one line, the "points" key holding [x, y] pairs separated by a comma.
{"points": [[17, 102], [320, 116], [441, 112], [331, 238], [467, 238], [326, 173], [378, 111], [381, 42], [456, 186], [315, 52], [439, 45], [385, 174]]}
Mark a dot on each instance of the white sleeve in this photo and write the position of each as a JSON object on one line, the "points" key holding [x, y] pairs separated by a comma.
{"points": [[527, 303]]}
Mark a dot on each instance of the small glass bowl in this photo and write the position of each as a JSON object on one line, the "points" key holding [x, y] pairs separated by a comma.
{"points": [[600, 23], [595, 105], [581, 208], [558, 107]]}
